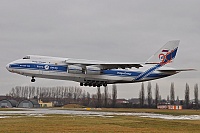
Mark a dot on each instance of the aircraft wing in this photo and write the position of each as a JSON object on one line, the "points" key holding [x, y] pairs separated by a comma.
{"points": [[102, 65]]}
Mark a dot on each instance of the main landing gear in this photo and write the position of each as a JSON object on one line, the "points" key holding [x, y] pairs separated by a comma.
{"points": [[33, 79], [93, 84]]}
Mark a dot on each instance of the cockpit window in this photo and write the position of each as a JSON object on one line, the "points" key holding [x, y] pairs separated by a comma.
{"points": [[26, 57]]}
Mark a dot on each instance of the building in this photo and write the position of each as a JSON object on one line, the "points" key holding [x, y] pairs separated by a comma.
{"points": [[8, 103], [28, 104], [122, 101], [134, 101], [173, 107], [45, 104]]}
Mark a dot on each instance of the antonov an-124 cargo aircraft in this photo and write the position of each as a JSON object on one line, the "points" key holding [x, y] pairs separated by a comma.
{"points": [[98, 73]]}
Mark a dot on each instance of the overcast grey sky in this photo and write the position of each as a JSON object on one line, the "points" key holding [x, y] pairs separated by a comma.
{"points": [[107, 30]]}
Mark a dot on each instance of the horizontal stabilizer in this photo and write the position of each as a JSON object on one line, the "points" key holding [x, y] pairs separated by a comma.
{"points": [[175, 70]]}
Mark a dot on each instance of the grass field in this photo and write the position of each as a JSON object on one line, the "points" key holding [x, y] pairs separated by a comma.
{"points": [[69, 123], [73, 123]]}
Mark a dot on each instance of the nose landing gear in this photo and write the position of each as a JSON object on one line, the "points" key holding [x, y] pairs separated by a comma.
{"points": [[33, 79]]}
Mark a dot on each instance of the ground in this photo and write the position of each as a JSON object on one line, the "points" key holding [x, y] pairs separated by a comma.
{"points": [[81, 123]]}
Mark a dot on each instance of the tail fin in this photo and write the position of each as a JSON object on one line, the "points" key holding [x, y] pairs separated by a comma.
{"points": [[166, 54]]}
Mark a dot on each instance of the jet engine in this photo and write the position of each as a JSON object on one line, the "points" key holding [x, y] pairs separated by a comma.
{"points": [[75, 69], [93, 70]]}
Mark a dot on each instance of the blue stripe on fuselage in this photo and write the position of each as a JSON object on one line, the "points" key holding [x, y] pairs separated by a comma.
{"points": [[63, 68], [148, 72], [44, 67], [132, 74], [116, 72]]}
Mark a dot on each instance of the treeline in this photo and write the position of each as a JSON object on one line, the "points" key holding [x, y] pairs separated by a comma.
{"points": [[171, 99], [64, 95], [59, 95]]}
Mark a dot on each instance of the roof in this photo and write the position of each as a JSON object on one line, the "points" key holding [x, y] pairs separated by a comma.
{"points": [[34, 102], [12, 102]]}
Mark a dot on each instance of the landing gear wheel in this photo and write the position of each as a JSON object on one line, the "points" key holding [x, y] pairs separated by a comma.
{"points": [[32, 80], [104, 84], [94, 85], [90, 84], [98, 85], [81, 84]]}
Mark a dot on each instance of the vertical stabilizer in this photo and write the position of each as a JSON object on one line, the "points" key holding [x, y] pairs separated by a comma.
{"points": [[166, 54]]}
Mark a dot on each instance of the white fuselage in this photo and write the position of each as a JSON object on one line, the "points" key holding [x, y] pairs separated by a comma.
{"points": [[56, 68]]}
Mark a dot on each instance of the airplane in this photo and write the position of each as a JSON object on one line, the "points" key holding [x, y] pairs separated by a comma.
{"points": [[98, 73]]}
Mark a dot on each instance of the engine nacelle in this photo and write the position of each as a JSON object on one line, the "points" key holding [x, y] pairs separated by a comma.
{"points": [[93, 70], [75, 69]]}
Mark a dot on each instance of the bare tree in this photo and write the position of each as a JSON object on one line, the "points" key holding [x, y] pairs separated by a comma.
{"points": [[98, 97], [84, 98], [177, 100], [105, 96], [33, 91], [17, 91], [187, 96], [12, 92], [38, 92], [88, 98], [70, 93], [26, 92], [160, 98], [83, 95], [156, 94], [196, 96], [77, 93], [29, 92], [167, 98], [141, 95], [114, 95], [149, 94], [172, 94]]}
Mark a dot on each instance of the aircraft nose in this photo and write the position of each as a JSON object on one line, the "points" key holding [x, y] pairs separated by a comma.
{"points": [[8, 66]]}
